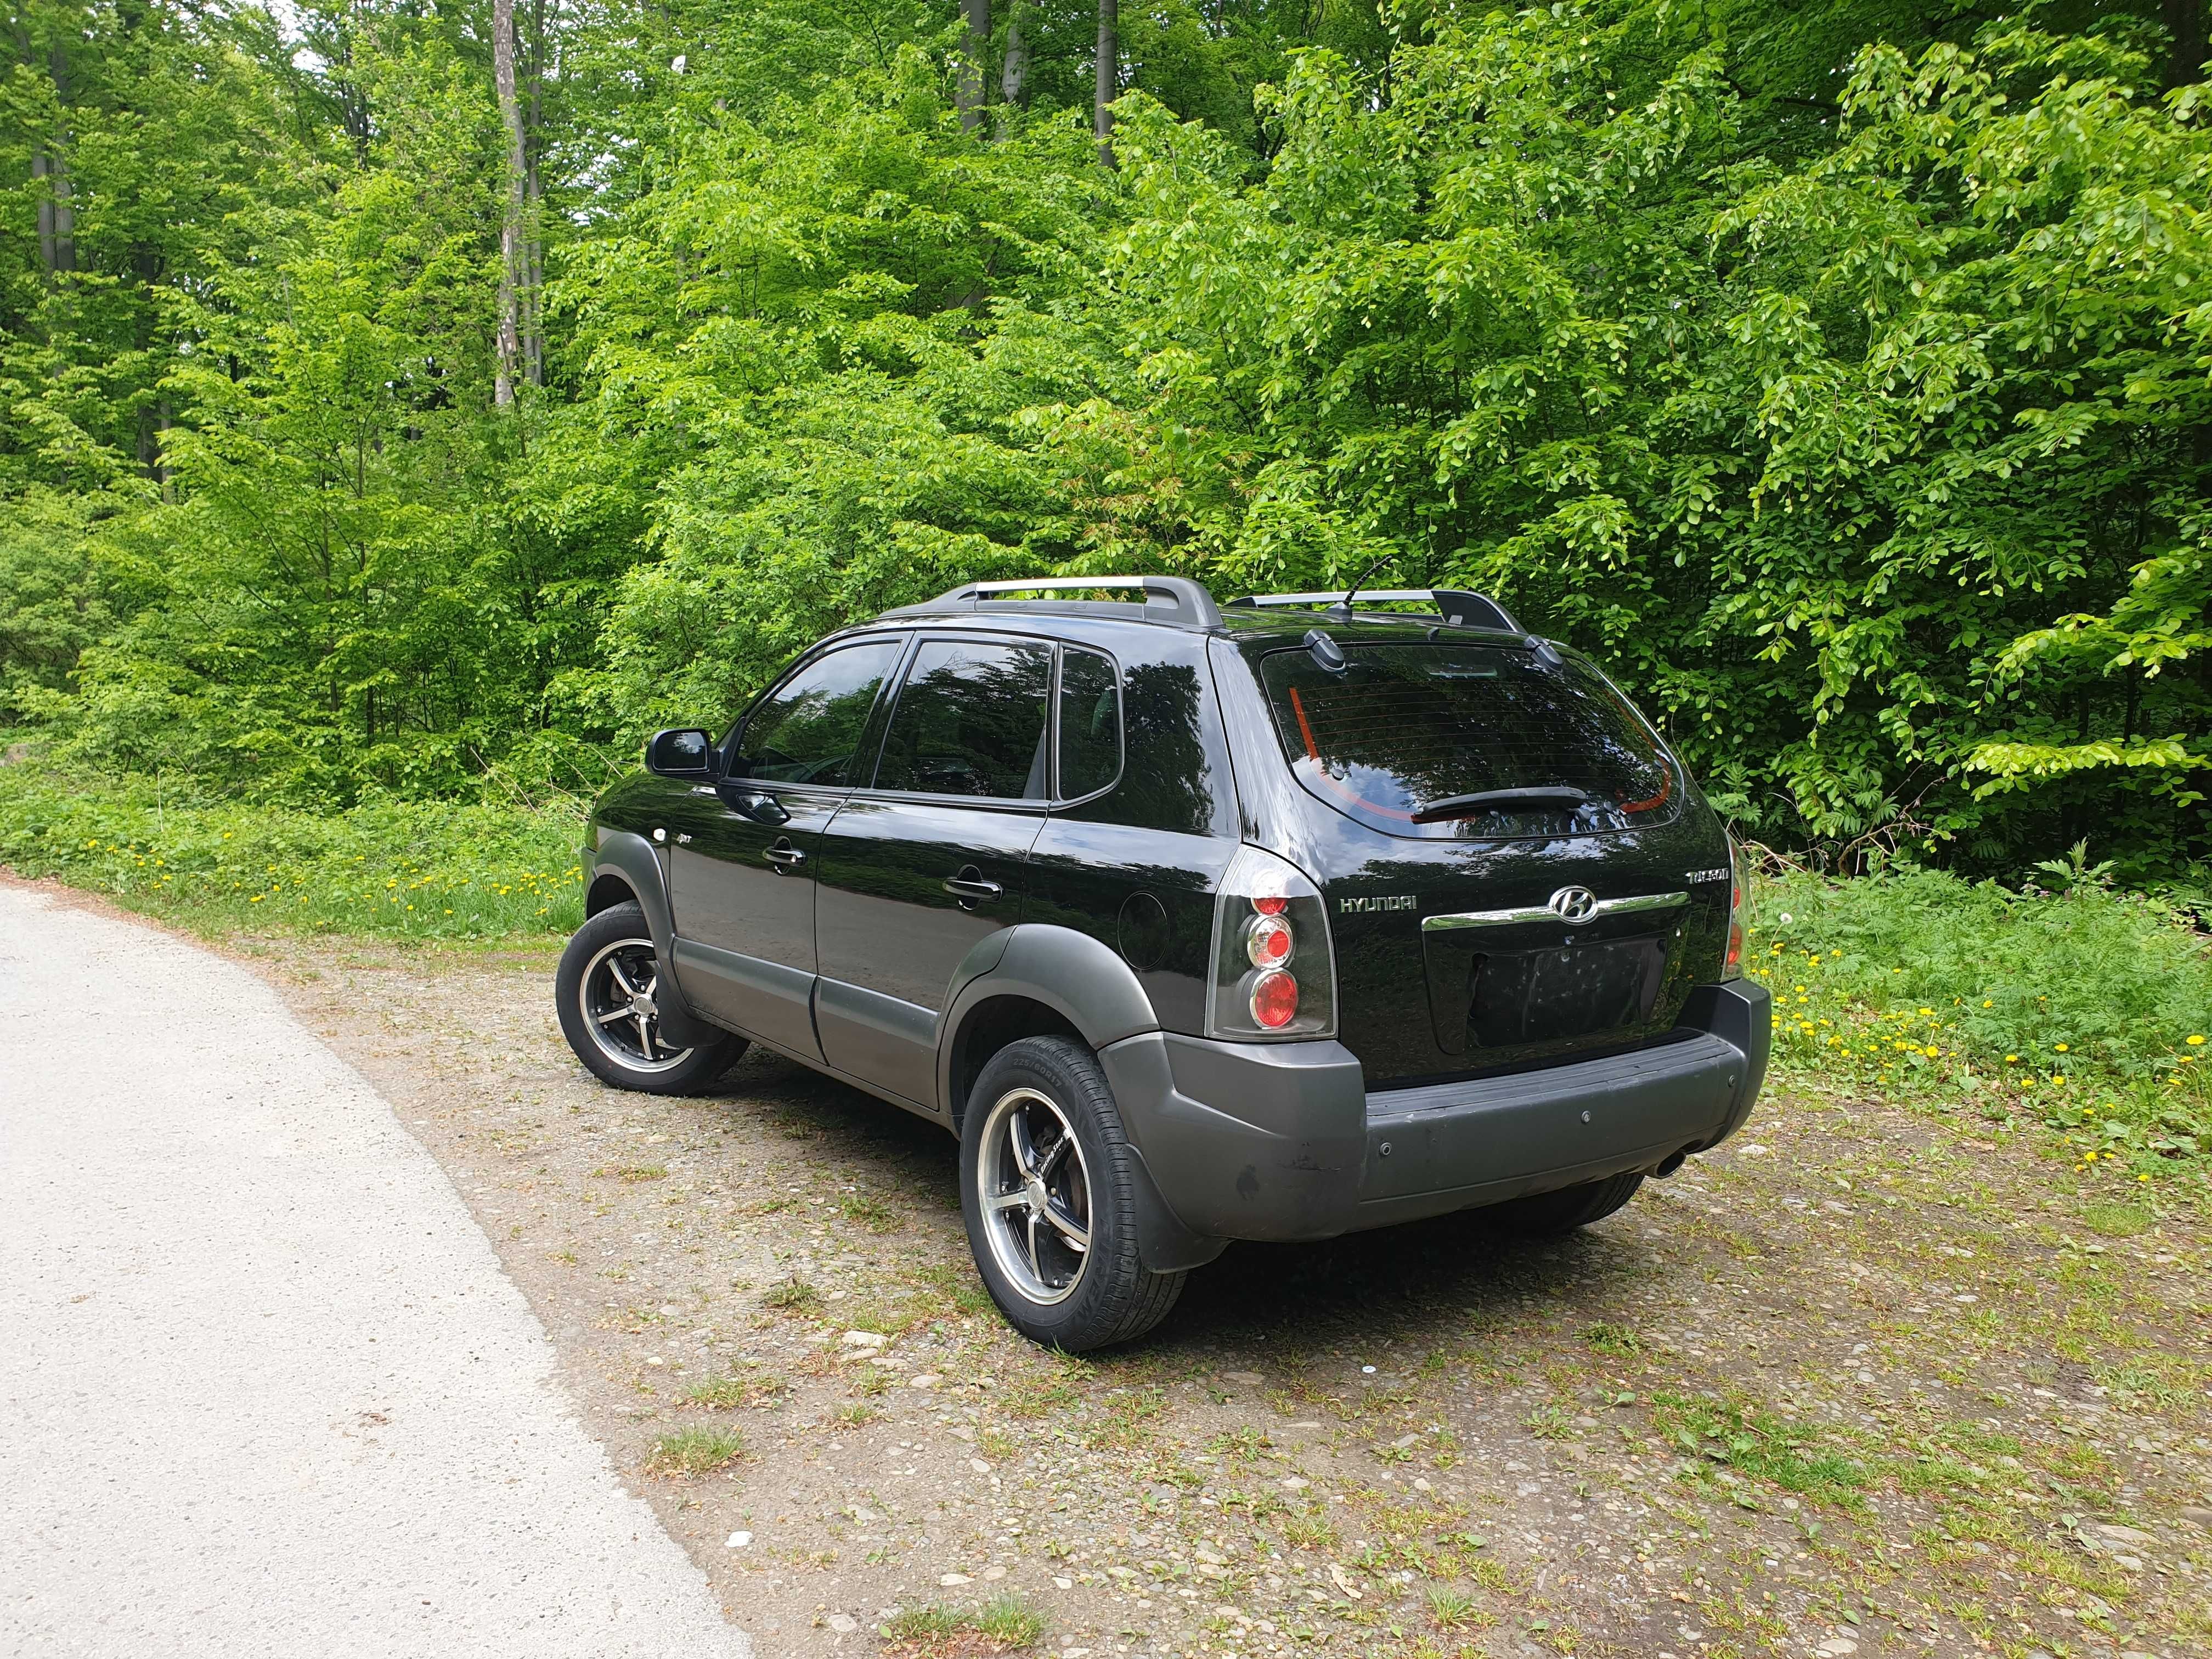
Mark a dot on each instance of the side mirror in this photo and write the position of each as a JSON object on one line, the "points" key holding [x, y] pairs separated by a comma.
{"points": [[679, 752]]}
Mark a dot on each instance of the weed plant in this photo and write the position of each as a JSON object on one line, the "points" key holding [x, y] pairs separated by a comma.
{"points": [[2076, 1006], [398, 868]]}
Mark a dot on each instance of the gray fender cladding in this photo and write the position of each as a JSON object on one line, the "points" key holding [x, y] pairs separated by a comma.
{"points": [[631, 856]]}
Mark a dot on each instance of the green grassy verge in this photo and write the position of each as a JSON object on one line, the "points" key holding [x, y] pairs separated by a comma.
{"points": [[397, 869], [2088, 1012]]}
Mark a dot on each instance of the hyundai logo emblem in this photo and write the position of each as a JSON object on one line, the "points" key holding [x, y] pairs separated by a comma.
{"points": [[1573, 905]]}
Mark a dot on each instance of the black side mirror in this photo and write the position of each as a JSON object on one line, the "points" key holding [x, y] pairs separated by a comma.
{"points": [[679, 752]]}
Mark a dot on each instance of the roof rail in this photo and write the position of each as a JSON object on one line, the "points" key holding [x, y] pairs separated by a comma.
{"points": [[1177, 601], [1459, 608]]}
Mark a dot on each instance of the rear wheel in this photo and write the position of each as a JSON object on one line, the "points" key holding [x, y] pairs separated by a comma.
{"points": [[608, 992], [1047, 1187], [1568, 1208]]}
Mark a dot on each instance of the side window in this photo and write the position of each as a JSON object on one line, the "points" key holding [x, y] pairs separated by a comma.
{"points": [[970, 721], [1089, 723], [808, 729], [1177, 774]]}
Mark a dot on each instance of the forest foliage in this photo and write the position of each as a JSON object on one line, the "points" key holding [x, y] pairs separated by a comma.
{"points": [[396, 394]]}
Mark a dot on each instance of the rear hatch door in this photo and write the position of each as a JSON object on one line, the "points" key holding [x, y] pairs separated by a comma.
{"points": [[1514, 885]]}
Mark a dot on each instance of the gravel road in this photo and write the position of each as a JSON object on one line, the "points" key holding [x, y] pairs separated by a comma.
{"points": [[267, 1387]]}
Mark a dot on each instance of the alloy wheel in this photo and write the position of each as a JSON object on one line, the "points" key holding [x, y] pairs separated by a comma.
{"points": [[618, 991], [1035, 1188]]}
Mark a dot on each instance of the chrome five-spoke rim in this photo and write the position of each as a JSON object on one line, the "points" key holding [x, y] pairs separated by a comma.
{"points": [[619, 1010], [1036, 1193]]}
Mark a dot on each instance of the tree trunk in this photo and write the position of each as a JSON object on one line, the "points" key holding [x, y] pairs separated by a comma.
{"points": [[533, 193], [2186, 46], [975, 54], [1014, 72], [511, 261], [56, 213], [1108, 81], [153, 420]]}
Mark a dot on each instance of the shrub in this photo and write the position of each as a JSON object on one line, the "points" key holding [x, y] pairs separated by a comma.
{"points": [[2087, 1009]]}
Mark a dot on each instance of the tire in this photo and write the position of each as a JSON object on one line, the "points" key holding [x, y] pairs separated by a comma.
{"points": [[1544, 1214], [1042, 1104], [604, 993]]}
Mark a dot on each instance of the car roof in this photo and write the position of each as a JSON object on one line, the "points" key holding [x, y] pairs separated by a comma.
{"points": [[1178, 604]]}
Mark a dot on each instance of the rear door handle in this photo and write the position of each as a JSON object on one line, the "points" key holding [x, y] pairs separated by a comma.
{"points": [[970, 888], [785, 856]]}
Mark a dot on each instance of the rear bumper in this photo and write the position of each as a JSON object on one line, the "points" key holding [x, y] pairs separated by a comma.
{"points": [[1282, 1141]]}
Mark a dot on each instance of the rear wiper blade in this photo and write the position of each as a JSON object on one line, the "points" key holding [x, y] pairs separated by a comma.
{"points": [[1489, 800]]}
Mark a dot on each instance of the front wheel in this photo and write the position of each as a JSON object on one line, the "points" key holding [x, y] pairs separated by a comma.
{"points": [[607, 992], [1047, 1187]]}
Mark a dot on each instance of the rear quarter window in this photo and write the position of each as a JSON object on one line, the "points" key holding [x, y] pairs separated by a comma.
{"points": [[1406, 730]]}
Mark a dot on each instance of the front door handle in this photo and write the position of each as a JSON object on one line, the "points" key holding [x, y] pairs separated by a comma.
{"points": [[785, 857], [971, 888]]}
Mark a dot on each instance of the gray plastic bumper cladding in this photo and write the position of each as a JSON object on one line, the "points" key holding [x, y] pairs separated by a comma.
{"points": [[1282, 1141]]}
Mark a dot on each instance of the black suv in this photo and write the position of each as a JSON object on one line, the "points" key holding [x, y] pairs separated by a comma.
{"points": [[1193, 924]]}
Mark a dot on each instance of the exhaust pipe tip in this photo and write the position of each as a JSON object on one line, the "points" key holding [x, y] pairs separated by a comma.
{"points": [[1673, 1161]]}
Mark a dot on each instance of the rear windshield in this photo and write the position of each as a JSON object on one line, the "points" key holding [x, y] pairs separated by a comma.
{"points": [[1403, 734]]}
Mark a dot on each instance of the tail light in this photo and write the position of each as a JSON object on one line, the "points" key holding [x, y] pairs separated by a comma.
{"points": [[1273, 972], [1739, 909]]}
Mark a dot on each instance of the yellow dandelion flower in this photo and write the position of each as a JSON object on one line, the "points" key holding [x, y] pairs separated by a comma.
{"points": [[1987, 1003], [2012, 1060], [2060, 1047], [2195, 1040]]}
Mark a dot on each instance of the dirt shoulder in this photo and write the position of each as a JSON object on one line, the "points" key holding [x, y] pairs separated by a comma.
{"points": [[1860, 1383]]}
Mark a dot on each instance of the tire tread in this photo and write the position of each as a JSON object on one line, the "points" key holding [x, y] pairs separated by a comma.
{"points": [[708, 1059], [1133, 1299], [1569, 1207]]}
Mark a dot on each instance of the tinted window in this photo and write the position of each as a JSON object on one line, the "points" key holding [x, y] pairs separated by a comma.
{"points": [[970, 721], [807, 729], [1089, 723], [1404, 731], [1175, 753]]}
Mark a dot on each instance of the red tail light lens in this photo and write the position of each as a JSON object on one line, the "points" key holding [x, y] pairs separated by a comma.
{"points": [[1268, 941], [1738, 905], [1274, 999], [1274, 973]]}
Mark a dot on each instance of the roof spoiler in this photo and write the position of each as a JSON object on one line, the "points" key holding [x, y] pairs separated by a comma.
{"points": [[1459, 608], [1176, 600]]}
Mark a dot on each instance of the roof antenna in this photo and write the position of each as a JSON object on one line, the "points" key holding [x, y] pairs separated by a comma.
{"points": [[1345, 603]]}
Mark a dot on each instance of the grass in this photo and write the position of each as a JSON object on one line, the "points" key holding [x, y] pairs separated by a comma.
{"points": [[793, 1295], [2084, 1011], [1452, 1608], [403, 869], [1732, 1435], [1005, 1624], [728, 1392], [695, 1451]]}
